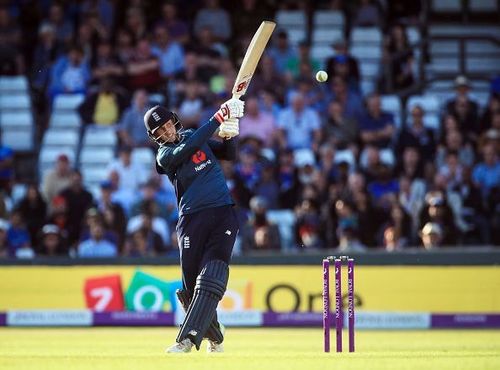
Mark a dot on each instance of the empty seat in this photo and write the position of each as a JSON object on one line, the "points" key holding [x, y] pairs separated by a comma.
{"points": [[143, 156], [95, 156], [100, 136], [16, 119], [346, 156], [366, 35], [296, 35], [431, 120], [321, 52], [413, 35], [285, 219], [18, 139], [303, 157], [482, 65], [285, 18], [446, 48], [14, 101], [93, 175], [444, 65], [368, 86], [64, 119], [13, 84], [392, 104], [366, 52], [326, 35], [55, 137], [67, 101], [446, 6], [483, 6], [369, 70], [329, 18]]}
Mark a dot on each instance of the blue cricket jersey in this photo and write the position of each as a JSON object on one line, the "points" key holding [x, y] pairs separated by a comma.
{"points": [[192, 166]]}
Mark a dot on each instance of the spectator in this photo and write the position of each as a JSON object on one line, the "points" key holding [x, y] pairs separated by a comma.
{"points": [[490, 114], [57, 179], [303, 56], [300, 126], [58, 215], [104, 10], [62, 24], [215, 17], [308, 226], [143, 68], [377, 127], [398, 56], [131, 130], [11, 60], [18, 238], [78, 201], [4, 244], [70, 73], [51, 242], [124, 46], [340, 130], [411, 197], [140, 244], [369, 216], [112, 212], [267, 187], [464, 109], [327, 164], [431, 235], [177, 28], [392, 240], [150, 198], [288, 179], [343, 65], [371, 164], [33, 209], [45, 52], [191, 106], [6, 168], [103, 107], [281, 52], [136, 23], [247, 17], [259, 233], [247, 175], [437, 211], [96, 245], [410, 164], [417, 135], [169, 53], [105, 64], [452, 170], [454, 143], [268, 78], [384, 188], [486, 174], [131, 174], [348, 236], [349, 99], [401, 225], [257, 124], [367, 15], [153, 226]]}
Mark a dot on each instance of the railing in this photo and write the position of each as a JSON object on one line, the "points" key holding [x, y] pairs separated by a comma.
{"points": [[476, 255]]}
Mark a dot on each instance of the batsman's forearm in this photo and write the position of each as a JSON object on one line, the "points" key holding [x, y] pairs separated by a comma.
{"points": [[229, 152]]}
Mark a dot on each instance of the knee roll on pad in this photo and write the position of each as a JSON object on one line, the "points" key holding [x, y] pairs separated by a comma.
{"points": [[209, 290]]}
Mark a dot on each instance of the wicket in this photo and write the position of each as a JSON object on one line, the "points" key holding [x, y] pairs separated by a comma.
{"points": [[339, 314]]}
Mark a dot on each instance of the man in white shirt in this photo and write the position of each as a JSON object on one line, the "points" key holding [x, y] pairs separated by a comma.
{"points": [[131, 174], [300, 127]]}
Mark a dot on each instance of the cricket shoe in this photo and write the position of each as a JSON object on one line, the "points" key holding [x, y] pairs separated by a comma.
{"points": [[214, 347], [184, 346]]}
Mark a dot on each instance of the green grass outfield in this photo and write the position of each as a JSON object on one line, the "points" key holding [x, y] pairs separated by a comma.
{"points": [[142, 348]]}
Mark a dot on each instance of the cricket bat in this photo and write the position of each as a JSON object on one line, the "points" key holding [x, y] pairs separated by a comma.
{"points": [[252, 57]]}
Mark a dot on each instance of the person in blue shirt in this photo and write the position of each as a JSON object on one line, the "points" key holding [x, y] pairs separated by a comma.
{"points": [[207, 225]]}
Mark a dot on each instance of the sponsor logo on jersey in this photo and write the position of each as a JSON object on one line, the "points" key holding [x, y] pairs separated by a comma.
{"points": [[198, 157], [202, 166]]}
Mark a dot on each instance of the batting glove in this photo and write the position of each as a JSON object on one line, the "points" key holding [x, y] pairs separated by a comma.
{"points": [[229, 128], [233, 108]]}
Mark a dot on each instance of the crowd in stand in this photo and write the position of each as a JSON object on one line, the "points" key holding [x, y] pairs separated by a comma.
{"points": [[328, 152]]}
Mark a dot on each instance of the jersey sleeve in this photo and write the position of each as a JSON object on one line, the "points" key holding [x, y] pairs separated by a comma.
{"points": [[225, 150], [170, 157]]}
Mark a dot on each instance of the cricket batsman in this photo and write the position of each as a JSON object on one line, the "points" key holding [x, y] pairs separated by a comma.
{"points": [[207, 225]]}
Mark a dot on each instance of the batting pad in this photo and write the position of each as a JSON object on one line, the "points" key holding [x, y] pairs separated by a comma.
{"points": [[209, 290], [213, 332]]}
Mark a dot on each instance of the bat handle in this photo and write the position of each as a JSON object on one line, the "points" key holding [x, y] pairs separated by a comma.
{"points": [[236, 96]]}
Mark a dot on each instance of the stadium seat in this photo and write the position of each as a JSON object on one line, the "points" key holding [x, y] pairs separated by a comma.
{"points": [[369, 70], [9, 102], [92, 176], [483, 65], [366, 52], [326, 36], [17, 119], [285, 219], [296, 35], [413, 35], [303, 157], [483, 6], [15, 84], [329, 19], [48, 155], [368, 86], [386, 156], [428, 102], [143, 156], [64, 119], [321, 52], [95, 156], [366, 35], [294, 18], [100, 136], [346, 156], [446, 6], [65, 102], [18, 139], [392, 104], [61, 138]]}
